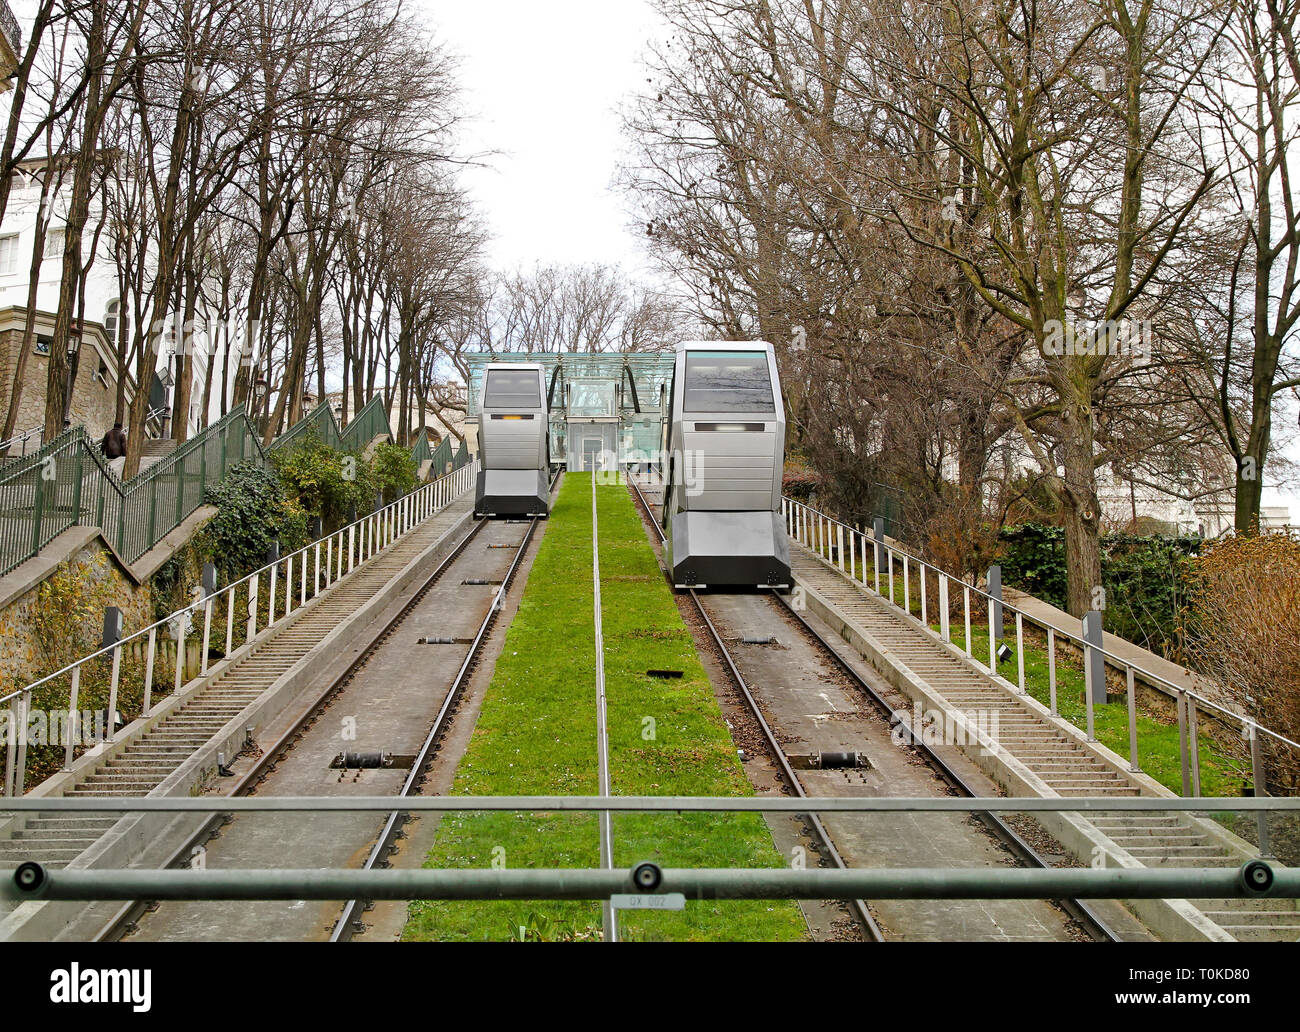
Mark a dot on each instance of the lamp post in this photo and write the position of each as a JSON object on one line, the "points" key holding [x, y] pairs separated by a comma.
{"points": [[74, 348], [168, 381], [255, 395]]}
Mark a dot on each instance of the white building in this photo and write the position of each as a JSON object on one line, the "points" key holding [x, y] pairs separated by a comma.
{"points": [[103, 306]]}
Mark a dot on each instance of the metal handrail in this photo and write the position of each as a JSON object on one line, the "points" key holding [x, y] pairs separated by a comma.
{"points": [[24, 436], [364, 538], [812, 528]]}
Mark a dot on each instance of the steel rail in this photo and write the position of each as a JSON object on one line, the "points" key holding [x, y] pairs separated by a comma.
{"points": [[264, 763], [1079, 911], [347, 924], [858, 906]]}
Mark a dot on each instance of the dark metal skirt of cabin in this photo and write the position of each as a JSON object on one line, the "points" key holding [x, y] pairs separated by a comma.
{"points": [[511, 492], [716, 549]]}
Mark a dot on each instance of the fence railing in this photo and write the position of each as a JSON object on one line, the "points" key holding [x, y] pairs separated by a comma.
{"points": [[33, 437], [369, 422], [864, 559], [69, 482], [319, 421], [235, 615]]}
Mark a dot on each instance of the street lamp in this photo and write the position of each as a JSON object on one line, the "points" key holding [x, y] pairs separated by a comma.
{"points": [[255, 395], [74, 346], [168, 381]]}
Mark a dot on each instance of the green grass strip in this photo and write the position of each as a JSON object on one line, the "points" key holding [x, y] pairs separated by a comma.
{"points": [[536, 734]]}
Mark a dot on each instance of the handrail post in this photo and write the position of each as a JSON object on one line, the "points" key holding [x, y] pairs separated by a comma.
{"points": [[1194, 736], [1132, 721], [112, 692], [944, 629], [180, 636], [965, 604], [151, 652], [1087, 685], [11, 745], [230, 620], [1020, 649], [207, 635], [24, 719], [70, 725], [1181, 701], [252, 608], [1259, 786], [1051, 668]]}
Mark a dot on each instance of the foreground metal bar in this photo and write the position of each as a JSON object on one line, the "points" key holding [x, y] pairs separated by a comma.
{"points": [[648, 804], [609, 918], [1255, 879]]}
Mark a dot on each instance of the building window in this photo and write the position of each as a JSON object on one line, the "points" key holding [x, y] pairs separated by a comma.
{"points": [[112, 313], [9, 253], [54, 243]]}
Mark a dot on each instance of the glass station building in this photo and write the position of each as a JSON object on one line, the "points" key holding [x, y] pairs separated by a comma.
{"points": [[605, 408]]}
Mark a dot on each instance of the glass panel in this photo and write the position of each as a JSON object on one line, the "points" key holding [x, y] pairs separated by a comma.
{"points": [[727, 381], [513, 388], [592, 398]]}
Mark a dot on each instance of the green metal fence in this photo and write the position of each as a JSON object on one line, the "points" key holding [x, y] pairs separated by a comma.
{"points": [[69, 482], [319, 421], [366, 425], [462, 456], [442, 458]]}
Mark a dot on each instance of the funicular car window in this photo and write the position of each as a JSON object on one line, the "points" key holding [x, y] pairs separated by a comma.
{"points": [[727, 381], [513, 388]]}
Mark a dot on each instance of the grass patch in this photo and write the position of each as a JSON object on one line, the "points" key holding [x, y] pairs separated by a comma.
{"points": [[536, 734]]}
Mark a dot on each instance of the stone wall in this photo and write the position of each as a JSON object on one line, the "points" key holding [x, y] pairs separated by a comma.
{"points": [[93, 397], [21, 654]]}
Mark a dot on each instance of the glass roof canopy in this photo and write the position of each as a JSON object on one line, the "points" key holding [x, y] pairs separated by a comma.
{"points": [[593, 386]]}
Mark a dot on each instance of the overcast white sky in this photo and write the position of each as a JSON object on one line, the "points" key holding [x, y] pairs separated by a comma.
{"points": [[543, 80]]}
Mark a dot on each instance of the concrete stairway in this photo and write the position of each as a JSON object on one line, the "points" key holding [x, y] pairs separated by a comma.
{"points": [[1067, 766], [137, 770]]}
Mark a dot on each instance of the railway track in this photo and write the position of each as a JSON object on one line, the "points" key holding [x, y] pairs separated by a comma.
{"points": [[1083, 915], [284, 760]]}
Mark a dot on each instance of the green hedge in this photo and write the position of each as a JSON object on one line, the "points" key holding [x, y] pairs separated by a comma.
{"points": [[1145, 577]]}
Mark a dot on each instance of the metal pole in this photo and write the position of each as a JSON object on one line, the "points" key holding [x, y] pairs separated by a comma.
{"points": [[944, 629], [1087, 686], [1182, 701], [1253, 880], [1132, 724], [70, 725], [1051, 668], [1259, 784], [112, 692], [24, 718], [609, 916], [150, 652], [1020, 649]]}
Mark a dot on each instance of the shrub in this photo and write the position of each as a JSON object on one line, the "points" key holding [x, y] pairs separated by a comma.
{"points": [[252, 511], [325, 482], [393, 470], [1145, 577], [1244, 632]]}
